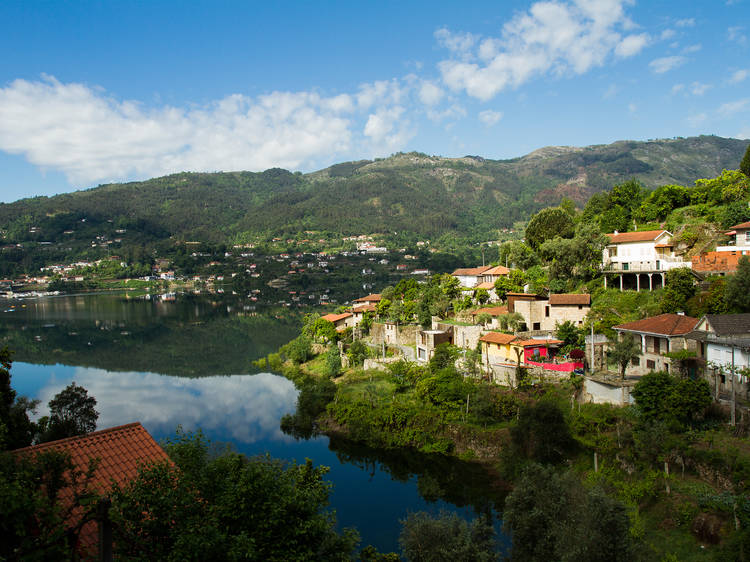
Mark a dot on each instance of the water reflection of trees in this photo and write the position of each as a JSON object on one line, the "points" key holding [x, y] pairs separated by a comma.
{"points": [[439, 477], [192, 336]]}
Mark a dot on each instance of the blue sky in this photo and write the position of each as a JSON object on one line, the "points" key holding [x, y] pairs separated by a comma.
{"points": [[93, 92]]}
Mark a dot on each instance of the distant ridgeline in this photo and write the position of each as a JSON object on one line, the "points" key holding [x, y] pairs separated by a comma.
{"points": [[407, 197]]}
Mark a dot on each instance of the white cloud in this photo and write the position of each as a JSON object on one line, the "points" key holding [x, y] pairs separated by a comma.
{"points": [[698, 89], [665, 64], [552, 37], [730, 108], [687, 22], [379, 93], [90, 136], [386, 131], [631, 45], [632, 108], [489, 117], [697, 120], [611, 91], [735, 34], [692, 48], [430, 94], [667, 34], [677, 88], [739, 76], [452, 112]]}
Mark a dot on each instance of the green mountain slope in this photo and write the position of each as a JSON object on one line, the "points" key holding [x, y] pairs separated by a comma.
{"points": [[427, 196]]}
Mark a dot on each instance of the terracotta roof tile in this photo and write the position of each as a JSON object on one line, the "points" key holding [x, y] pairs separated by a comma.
{"points": [[365, 308], [374, 297], [491, 310], [497, 270], [664, 324], [570, 298], [497, 337], [489, 285], [336, 317], [532, 342], [625, 237], [741, 226], [120, 450], [471, 270]]}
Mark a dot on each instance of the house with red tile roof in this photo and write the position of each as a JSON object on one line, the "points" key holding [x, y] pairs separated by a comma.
{"points": [[470, 277], [638, 260], [119, 451], [373, 299], [340, 321], [502, 353], [542, 313], [656, 336]]}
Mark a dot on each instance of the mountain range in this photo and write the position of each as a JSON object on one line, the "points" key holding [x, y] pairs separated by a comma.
{"points": [[411, 193]]}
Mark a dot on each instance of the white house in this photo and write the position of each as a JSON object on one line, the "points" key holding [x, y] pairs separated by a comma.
{"points": [[741, 239], [724, 341], [636, 260], [470, 277]]}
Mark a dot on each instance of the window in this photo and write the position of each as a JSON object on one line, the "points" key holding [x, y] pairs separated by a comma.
{"points": [[546, 311], [703, 349], [747, 236], [536, 326], [636, 361], [650, 364], [657, 345]]}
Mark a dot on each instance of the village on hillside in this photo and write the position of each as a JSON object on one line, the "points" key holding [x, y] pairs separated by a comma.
{"points": [[519, 332]]}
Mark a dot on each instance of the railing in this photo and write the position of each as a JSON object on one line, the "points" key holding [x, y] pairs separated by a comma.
{"points": [[647, 266]]}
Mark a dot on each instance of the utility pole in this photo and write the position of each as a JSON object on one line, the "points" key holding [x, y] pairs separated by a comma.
{"points": [[734, 393]]}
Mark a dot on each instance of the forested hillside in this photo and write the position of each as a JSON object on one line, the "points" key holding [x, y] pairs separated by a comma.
{"points": [[415, 195]]}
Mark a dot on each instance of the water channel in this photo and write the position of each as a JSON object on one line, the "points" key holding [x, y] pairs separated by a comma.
{"points": [[186, 360]]}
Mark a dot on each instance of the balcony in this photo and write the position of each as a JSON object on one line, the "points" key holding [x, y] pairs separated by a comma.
{"points": [[662, 264]]}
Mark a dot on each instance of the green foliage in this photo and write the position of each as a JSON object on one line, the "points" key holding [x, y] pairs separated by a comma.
{"points": [[622, 351], [357, 353], [511, 283], [662, 201], [551, 516], [570, 334], [735, 213], [547, 224], [574, 260], [541, 433], [72, 412], [443, 387], [324, 331], [444, 356], [679, 288], [35, 523], [738, 288], [314, 396], [333, 362], [447, 538], [16, 430], [745, 164], [299, 350], [517, 254], [663, 397], [712, 301], [225, 506]]}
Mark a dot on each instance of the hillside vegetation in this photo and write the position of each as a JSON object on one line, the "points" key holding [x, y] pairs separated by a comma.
{"points": [[413, 194]]}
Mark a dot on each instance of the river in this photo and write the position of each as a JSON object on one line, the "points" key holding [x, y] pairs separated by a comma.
{"points": [[186, 360]]}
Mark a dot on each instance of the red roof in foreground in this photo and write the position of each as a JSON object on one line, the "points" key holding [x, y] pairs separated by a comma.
{"points": [[120, 451], [741, 226], [643, 236], [497, 337], [491, 310], [664, 324]]}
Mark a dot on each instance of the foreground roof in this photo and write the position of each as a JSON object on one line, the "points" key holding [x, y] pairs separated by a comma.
{"points": [[664, 325], [570, 298], [643, 236], [741, 226], [120, 450], [497, 270]]}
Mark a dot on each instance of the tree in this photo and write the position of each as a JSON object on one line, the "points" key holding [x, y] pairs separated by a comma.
{"points": [[570, 334], [745, 163], [515, 253], [541, 433], [447, 538], [333, 362], [738, 287], [511, 283], [663, 397], [16, 430], [552, 516], [622, 351], [72, 412], [679, 288], [481, 295], [210, 506], [324, 330], [548, 223], [357, 353]]}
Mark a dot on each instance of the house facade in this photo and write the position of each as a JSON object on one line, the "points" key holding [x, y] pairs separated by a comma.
{"points": [[638, 260], [545, 313], [340, 321], [723, 346], [428, 340], [470, 277], [656, 336]]}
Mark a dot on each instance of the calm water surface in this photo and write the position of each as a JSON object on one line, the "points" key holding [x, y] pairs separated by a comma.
{"points": [[187, 362]]}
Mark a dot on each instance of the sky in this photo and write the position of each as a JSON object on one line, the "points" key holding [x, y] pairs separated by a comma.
{"points": [[96, 92]]}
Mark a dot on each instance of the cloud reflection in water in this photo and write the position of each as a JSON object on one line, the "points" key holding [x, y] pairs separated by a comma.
{"points": [[246, 408]]}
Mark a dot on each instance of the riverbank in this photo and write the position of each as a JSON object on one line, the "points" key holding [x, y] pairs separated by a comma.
{"points": [[681, 483]]}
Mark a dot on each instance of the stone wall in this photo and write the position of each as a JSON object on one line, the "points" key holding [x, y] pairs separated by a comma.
{"points": [[393, 333]]}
